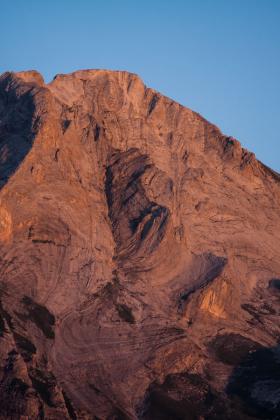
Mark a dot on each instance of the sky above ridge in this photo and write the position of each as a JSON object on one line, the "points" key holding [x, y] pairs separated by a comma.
{"points": [[220, 58]]}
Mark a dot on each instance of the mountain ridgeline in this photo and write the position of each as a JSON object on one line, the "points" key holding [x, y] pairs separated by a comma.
{"points": [[140, 257]]}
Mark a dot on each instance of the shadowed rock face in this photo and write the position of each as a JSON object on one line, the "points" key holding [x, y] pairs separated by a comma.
{"points": [[139, 257]]}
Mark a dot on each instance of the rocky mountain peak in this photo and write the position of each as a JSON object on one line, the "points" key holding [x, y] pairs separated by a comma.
{"points": [[140, 260]]}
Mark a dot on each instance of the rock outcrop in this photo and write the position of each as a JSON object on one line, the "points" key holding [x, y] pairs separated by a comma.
{"points": [[140, 269]]}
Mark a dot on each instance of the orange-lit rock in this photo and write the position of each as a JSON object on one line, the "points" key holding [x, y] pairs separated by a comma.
{"points": [[140, 268]]}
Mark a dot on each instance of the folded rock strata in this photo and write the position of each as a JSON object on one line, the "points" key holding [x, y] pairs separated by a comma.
{"points": [[140, 269]]}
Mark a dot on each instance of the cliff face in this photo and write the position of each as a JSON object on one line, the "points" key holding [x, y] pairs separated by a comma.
{"points": [[140, 269]]}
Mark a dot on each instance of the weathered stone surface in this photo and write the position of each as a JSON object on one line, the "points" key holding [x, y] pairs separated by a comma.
{"points": [[139, 257]]}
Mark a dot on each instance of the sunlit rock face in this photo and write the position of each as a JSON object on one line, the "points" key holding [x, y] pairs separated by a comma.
{"points": [[140, 257]]}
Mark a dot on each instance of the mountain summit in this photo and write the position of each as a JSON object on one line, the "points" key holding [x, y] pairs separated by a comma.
{"points": [[140, 257]]}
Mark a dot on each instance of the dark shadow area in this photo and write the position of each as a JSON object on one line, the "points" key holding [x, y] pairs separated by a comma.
{"points": [[39, 315], [185, 396], [18, 124], [255, 383], [125, 313], [274, 284], [252, 391], [231, 349], [44, 383], [12, 390]]}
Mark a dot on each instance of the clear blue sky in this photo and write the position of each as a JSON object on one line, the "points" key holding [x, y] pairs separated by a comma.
{"points": [[218, 57]]}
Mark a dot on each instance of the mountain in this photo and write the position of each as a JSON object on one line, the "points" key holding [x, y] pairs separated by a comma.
{"points": [[140, 257]]}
